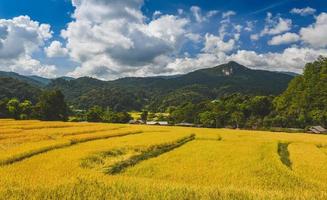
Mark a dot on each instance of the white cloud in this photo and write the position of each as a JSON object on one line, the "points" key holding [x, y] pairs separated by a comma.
{"points": [[196, 11], [110, 39], [199, 17], [276, 25], [254, 37], [212, 13], [20, 38], [315, 34], [215, 44], [156, 14], [286, 38], [56, 50], [228, 14], [303, 11], [249, 26], [291, 59]]}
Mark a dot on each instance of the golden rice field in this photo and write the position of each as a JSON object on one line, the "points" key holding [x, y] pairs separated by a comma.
{"points": [[57, 160]]}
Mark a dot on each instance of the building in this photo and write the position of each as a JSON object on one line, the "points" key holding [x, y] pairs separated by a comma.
{"points": [[161, 123], [317, 129], [186, 124], [136, 122]]}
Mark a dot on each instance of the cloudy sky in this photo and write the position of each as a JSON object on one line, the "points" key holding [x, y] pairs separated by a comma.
{"points": [[108, 39]]}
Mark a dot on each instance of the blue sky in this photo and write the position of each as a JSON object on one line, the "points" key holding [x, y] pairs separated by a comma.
{"points": [[109, 39]]}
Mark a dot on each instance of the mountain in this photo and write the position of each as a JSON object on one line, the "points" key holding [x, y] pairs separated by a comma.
{"points": [[14, 88], [159, 93], [33, 80], [154, 93], [40, 80], [290, 73]]}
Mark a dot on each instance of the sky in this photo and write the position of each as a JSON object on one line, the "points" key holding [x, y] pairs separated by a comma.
{"points": [[109, 39]]}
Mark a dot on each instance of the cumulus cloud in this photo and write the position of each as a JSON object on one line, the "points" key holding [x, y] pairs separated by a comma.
{"points": [[56, 50], [303, 11], [111, 38], [315, 34], [156, 14], [276, 25], [286, 38], [20, 37], [215, 44], [291, 59]]}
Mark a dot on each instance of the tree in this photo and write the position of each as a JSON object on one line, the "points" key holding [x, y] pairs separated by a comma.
{"points": [[208, 119], [144, 115], [304, 103], [13, 108], [3, 108], [52, 106], [95, 114], [237, 118], [25, 108]]}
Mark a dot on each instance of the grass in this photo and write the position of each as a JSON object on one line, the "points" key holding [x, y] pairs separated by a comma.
{"points": [[284, 154], [56, 160]]}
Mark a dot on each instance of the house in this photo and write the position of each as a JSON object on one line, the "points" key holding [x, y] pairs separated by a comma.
{"points": [[161, 123], [152, 123], [185, 124], [136, 122], [317, 129]]}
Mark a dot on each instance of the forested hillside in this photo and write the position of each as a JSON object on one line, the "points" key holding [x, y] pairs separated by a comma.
{"points": [[158, 93], [305, 100], [13, 88]]}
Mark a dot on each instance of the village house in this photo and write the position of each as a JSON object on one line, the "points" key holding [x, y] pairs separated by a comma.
{"points": [[317, 129]]}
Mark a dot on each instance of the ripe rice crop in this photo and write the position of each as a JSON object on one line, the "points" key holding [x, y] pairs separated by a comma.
{"points": [[57, 160]]}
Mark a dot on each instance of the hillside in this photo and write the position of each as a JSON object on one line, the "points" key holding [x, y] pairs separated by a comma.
{"points": [[158, 93], [11, 87], [305, 100]]}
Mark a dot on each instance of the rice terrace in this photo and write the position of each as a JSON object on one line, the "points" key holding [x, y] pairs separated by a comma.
{"points": [[63, 160], [163, 100]]}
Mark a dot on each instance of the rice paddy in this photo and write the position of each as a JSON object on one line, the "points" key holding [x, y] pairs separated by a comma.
{"points": [[57, 160]]}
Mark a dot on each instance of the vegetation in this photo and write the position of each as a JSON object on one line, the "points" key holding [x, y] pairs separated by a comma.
{"points": [[215, 164], [156, 94], [224, 96]]}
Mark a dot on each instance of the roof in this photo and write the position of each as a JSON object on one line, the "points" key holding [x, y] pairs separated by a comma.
{"points": [[318, 129], [157, 123], [185, 124], [136, 122]]}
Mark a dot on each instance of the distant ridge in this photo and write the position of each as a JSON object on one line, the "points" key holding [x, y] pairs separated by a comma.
{"points": [[161, 92]]}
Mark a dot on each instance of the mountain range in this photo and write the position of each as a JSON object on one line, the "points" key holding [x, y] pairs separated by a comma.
{"points": [[154, 93]]}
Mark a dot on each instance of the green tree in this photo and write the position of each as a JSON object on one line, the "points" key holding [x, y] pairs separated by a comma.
{"points": [[237, 118], [25, 108], [208, 119], [52, 106], [3, 108], [13, 108], [95, 114]]}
